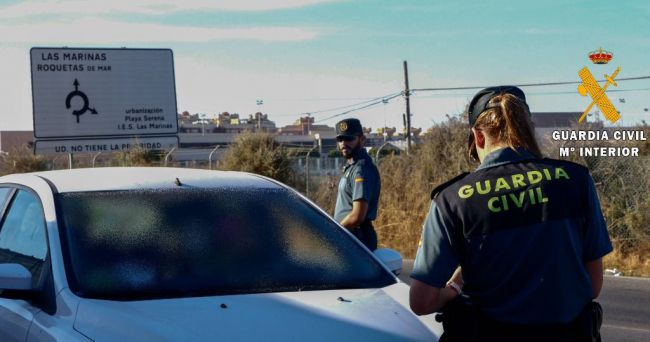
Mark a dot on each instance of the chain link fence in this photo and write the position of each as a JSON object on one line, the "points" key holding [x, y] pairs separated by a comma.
{"points": [[623, 185]]}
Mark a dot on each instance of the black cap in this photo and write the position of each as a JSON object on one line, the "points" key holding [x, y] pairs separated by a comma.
{"points": [[479, 103], [348, 127]]}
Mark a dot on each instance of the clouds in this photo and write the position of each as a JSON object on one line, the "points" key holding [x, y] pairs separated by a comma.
{"points": [[82, 22], [136, 23], [93, 30], [148, 7], [212, 88], [231, 52]]}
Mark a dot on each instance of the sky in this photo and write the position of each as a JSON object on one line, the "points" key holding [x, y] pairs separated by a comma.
{"points": [[325, 57]]}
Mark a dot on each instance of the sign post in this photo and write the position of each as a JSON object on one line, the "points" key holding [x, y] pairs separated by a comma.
{"points": [[94, 100]]}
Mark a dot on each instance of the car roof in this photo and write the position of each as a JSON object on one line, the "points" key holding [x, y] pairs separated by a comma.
{"points": [[133, 178]]}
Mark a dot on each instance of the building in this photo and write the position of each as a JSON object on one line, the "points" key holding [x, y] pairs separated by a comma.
{"points": [[323, 135], [306, 126], [224, 123], [555, 119], [547, 122], [387, 132]]}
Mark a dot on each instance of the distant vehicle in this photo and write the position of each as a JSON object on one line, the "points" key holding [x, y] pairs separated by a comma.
{"points": [[164, 254]]}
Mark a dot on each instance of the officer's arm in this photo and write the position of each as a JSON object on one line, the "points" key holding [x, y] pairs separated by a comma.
{"points": [[357, 215], [425, 299], [595, 270], [596, 241]]}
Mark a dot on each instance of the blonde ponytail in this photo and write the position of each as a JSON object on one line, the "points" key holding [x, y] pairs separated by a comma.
{"points": [[508, 122]]}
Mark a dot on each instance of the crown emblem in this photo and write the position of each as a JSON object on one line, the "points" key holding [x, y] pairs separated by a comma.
{"points": [[343, 126], [600, 56]]}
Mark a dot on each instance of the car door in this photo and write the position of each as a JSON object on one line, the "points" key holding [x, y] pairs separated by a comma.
{"points": [[22, 241]]}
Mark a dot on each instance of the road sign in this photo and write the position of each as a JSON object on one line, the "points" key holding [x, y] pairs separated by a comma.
{"points": [[104, 145], [103, 92]]}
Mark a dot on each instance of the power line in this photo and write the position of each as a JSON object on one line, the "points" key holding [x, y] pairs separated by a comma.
{"points": [[354, 105], [317, 99], [382, 100], [341, 107], [529, 84], [610, 90]]}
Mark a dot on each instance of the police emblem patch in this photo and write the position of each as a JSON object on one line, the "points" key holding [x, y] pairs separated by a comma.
{"points": [[596, 92], [343, 126]]}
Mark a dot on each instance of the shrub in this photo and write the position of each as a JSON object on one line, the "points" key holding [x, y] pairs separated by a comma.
{"points": [[407, 180], [258, 153], [139, 156], [21, 160], [335, 153]]}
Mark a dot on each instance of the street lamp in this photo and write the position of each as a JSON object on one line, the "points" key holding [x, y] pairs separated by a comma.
{"points": [[202, 120], [320, 144], [259, 102]]}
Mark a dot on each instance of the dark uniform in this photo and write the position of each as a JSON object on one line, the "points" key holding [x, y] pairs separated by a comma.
{"points": [[360, 181], [522, 229]]}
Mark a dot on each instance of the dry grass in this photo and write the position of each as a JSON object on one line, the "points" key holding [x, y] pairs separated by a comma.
{"points": [[407, 181], [634, 262], [21, 159]]}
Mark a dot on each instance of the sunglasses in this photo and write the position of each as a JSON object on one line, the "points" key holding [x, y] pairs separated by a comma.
{"points": [[345, 138]]}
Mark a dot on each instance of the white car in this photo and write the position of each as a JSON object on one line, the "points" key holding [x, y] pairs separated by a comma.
{"points": [[163, 254]]}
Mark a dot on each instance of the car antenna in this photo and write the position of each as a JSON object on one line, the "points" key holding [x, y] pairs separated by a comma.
{"points": [[178, 182]]}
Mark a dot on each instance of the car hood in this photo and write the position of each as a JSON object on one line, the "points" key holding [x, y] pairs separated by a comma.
{"points": [[366, 314]]}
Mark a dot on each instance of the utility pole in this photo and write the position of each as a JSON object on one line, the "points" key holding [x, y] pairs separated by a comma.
{"points": [[407, 93]]}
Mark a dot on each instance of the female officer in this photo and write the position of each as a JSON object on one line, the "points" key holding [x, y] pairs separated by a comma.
{"points": [[527, 232]]}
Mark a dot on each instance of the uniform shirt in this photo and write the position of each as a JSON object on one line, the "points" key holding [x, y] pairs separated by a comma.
{"points": [[522, 229], [360, 181]]}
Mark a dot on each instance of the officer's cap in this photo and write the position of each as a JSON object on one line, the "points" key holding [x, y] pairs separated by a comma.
{"points": [[348, 128], [480, 102]]}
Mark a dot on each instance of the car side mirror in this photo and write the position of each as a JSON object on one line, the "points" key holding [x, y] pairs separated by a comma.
{"points": [[15, 277], [392, 259]]}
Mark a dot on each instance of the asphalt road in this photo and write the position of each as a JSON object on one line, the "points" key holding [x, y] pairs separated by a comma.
{"points": [[625, 301]]}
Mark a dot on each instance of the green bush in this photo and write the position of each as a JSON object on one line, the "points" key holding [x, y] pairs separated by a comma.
{"points": [[259, 153], [335, 153], [139, 156]]}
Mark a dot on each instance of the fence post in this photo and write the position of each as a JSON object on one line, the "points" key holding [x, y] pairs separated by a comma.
{"points": [[210, 156], [169, 154], [379, 150], [95, 157], [307, 171]]}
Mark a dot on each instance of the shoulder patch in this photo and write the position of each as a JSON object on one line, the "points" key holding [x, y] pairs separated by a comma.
{"points": [[438, 189]]}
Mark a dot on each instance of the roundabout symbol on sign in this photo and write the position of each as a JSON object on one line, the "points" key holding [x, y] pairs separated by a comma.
{"points": [[84, 108]]}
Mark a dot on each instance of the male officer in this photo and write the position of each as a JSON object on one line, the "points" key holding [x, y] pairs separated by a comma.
{"points": [[358, 195]]}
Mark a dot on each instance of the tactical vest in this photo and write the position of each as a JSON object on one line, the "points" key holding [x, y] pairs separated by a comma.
{"points": [[511, 196]]}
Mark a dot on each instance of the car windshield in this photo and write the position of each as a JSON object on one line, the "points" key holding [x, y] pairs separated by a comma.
{"points": [[131, 245]]}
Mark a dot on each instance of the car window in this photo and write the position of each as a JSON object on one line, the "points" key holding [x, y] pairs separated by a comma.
{"points": [[191, 242], [4, 192], [22, 233]]}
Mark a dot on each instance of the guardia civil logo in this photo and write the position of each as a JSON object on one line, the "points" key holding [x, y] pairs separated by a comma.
{"points": [[591, 87], [527, 194], [605, 141]]}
